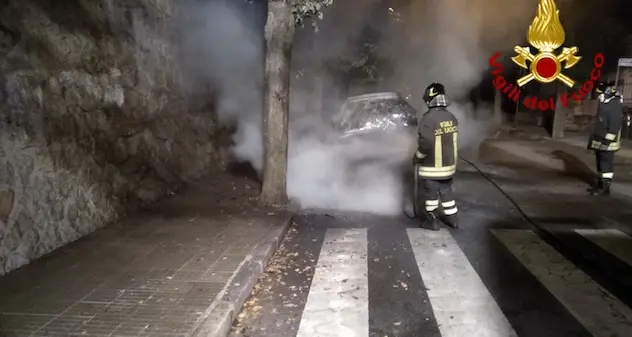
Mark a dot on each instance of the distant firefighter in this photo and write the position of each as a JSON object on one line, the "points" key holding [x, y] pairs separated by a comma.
{"points": [[606, 136], [436, 158]]}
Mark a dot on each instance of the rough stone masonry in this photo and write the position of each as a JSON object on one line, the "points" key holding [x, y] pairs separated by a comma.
{"points": [[95, 118]]}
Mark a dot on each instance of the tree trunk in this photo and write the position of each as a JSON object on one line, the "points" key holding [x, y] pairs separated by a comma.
{"points": [[559, 116], [498, 108], [279, 32]]}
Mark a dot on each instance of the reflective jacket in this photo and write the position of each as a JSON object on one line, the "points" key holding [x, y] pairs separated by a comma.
{"points": [[606, 135], [437, 150]]}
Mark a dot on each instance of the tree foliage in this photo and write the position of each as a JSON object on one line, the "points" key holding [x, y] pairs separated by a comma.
{"points": [[366, 62], [309, 9]]}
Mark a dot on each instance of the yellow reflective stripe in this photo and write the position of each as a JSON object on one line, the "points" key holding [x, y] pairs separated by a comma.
{"points": [[614, 146], [420, 155], [595, 144], [450, 211], [611, 136], [437, 172], [438, 148], [437, 169], [432, 202], [455, 143]]}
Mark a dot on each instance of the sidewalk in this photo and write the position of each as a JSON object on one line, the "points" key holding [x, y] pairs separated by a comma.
{"points": [[581, 141], [568, 155], [184, 267]]}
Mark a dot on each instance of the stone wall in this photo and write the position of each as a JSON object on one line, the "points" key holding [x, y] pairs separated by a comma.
{"points": [[95, 118]]}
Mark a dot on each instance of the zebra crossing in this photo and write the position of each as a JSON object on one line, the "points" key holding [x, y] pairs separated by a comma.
{"points": [[596, 308], [462, 304], [339, 294], [454, 294]]}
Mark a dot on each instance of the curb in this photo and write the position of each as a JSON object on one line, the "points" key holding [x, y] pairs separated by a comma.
{"points": [[551, 164], [219, 319], [619, 154]]}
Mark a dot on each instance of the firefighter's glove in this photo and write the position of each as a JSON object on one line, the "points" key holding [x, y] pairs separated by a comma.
{"points": [[418, 157]]}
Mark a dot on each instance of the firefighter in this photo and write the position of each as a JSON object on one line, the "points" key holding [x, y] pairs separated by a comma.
{"points": [[606, 137], [436, 159]]}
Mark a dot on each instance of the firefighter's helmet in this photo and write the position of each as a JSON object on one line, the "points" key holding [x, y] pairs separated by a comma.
{"points": [[607, 88], [434, 95]]}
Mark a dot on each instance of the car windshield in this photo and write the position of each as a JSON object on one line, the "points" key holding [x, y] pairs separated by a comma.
{"points": [[376, 114]]}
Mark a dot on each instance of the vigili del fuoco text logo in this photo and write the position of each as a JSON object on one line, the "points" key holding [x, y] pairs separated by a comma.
{"points": [[546, 34]]}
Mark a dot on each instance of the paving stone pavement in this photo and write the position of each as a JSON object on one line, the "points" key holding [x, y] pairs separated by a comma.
{"points": [[169, 270]]}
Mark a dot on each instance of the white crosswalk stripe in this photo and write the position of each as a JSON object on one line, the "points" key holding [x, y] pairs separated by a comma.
{"points": [[614, 241], [596, 308], [462, 304], [338, 300]]}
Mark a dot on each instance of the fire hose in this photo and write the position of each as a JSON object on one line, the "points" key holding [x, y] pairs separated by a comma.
{"points": [[511, 200], [596, 269]]}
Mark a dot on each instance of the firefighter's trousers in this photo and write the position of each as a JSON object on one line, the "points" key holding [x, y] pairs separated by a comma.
{"points": [[435, 193], [605, 164]]}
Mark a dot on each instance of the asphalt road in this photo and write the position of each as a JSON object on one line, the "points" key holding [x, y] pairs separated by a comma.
{"points": [[499, 275]]}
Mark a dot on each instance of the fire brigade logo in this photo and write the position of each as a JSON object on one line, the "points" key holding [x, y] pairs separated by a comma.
{"points": [[546, 34]]}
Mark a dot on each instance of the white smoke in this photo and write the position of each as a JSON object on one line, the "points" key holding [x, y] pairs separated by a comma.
{"points": [[442, 40], [475, 125], [355, 175], [451, 41], [223, 48]]}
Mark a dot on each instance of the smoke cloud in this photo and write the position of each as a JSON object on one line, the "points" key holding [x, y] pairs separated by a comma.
{"points": [[451, 41], [446, 41], [223, 49]]}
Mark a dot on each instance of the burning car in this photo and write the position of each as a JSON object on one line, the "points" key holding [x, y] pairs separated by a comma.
{"points": [[377, 126], [378, 133], [365, 114]]}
